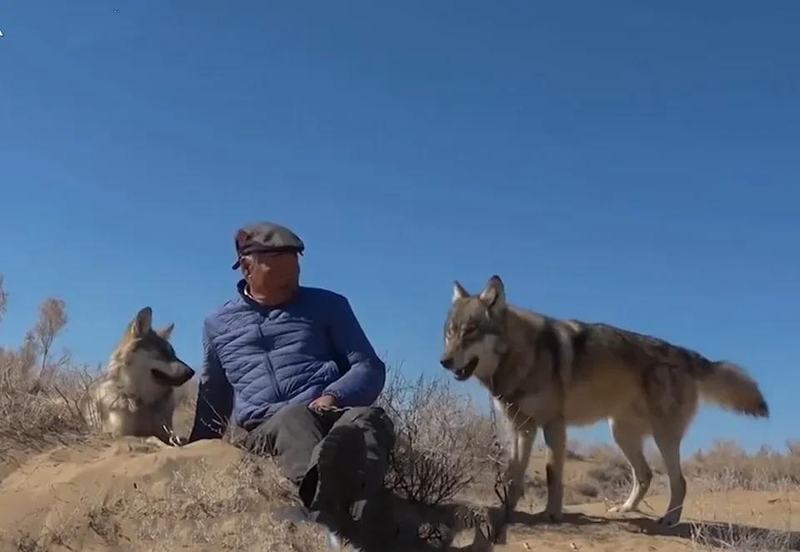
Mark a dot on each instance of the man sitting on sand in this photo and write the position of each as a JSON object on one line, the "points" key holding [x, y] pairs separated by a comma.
{"points": [[294, 368]]}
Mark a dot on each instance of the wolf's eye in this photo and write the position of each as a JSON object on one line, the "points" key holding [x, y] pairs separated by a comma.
{"points": [[470, 328]]}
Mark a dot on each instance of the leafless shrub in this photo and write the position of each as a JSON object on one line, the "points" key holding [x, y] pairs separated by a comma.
{"points": [[3, 299], [52, 319], [31, 420], [443, 442], [17, 364]]}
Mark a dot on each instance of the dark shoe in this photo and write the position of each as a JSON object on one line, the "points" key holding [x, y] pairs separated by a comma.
{"points": [[340, 471]]}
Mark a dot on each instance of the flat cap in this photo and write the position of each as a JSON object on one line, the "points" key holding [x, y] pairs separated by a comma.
{"points": [[265, 237]]}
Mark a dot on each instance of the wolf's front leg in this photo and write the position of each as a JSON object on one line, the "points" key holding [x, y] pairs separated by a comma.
{"points": [[522, 447], [163, 431], [555, 438]]}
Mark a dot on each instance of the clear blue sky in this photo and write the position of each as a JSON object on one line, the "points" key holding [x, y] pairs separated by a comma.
{"points": [[616, 161]]}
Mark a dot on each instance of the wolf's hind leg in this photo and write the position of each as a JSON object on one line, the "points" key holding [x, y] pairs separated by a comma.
{"points": [[669, 444], [629, 436]]}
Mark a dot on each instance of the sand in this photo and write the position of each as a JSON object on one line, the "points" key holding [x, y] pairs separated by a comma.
{"points": [[128, 495]]}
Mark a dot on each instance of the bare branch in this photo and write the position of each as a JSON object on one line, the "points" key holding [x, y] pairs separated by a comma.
{"points": [[52, 319], [3, 299]]}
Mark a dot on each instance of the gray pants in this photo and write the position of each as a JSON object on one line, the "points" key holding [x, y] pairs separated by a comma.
{"points": [[295, 435]]}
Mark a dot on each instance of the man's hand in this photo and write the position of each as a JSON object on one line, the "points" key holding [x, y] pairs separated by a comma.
{"points": [[325, 402]]}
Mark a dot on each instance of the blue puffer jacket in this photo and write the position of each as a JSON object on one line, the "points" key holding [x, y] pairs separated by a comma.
{"points": [[257, 359]]}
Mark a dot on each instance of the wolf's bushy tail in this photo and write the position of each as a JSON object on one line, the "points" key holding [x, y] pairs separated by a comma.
{"points": [[730, 386]]}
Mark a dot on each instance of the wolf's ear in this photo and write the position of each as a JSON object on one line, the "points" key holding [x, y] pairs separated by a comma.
{"points": [[494, 294], [459, 292], [142, 323], [165, 332]]}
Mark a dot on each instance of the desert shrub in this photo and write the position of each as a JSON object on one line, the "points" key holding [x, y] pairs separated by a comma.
{"points": [[39, 392], [443, 441]]}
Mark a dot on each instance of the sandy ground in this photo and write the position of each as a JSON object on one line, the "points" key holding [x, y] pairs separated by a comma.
{"points": [[128, 495], [738, 516]]}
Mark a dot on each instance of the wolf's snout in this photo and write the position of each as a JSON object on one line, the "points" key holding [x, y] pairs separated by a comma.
{"points": [[185, 373], [447, 362], [177, 374]]}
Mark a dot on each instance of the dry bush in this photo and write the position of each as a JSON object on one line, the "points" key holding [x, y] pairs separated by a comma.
{"points": [[28, 420], [726, 466], [3, 298], [52, 319], [36, 410], [443, 442]]}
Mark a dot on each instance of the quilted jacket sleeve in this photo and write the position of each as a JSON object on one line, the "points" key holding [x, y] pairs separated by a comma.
{"points": [[366, 376], [214, 397]]}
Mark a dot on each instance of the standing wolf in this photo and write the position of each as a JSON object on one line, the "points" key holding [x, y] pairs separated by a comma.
{"points": [[549, 373], [136, 395]]}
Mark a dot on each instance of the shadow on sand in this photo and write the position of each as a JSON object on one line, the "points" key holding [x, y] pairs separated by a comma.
{"points": [[709, 533], [538, 520], [408, 523]]}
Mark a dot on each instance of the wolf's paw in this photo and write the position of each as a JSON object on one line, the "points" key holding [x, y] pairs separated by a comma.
{"points": [[553, 515], [670, 519], [621, 509]]}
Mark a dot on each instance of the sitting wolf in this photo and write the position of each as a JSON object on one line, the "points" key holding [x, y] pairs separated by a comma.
{"points": [[136, 394]]}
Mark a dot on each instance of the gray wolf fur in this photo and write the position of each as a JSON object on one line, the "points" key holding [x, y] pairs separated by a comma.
{"points": [[136, 394], [547, 373]]}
